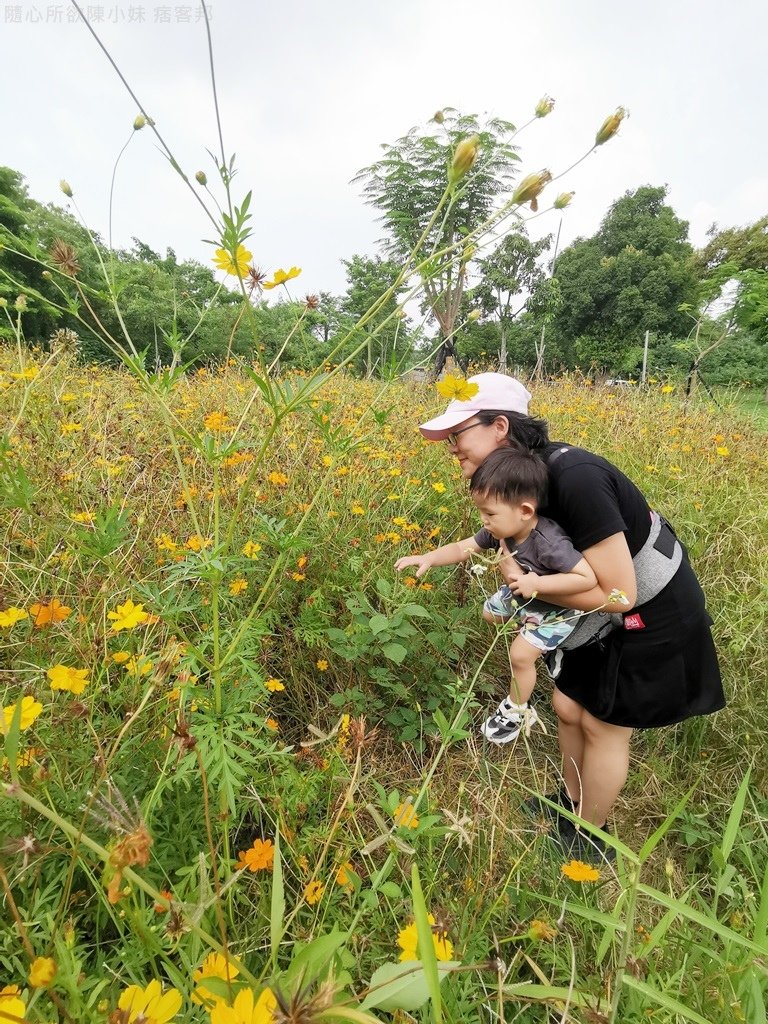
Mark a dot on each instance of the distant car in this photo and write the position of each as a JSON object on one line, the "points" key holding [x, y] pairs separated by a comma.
{"points": [[618, 382]]}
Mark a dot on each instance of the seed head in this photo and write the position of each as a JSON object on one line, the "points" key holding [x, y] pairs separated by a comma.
{"points": [[530, 187], [545, 106], [438, 117], [66, 188], [20, 305], [610, 126], [563, 200], [201, 178], [139, 122], [464, 156], [474, 314], [64, 258]]}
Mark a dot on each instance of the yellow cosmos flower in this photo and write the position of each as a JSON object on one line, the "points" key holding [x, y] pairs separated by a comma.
{"points": [[246, 1009], [237, 586], [127, 616], [322, 664], [30, 709], [313, 892], [578, 871], [11, 1005], [217, 421], [11, 616], [42, 972], [722, 451], [259, 857], [237, 267], [52, 612], [342, 874], [214, 966], [405, 816], [83, 517], [456, 388], [541, 931], [282, 277], [439, 487], [408, 941], [251, 550], [150, 1004], [274, 685], [279, 479], [74, 680]]}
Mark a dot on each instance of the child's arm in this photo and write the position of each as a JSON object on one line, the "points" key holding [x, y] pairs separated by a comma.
{"points": [[580, 578], [448, 554]]}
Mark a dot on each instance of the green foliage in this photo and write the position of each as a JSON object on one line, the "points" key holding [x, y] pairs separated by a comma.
{"points": [[632, 276]]}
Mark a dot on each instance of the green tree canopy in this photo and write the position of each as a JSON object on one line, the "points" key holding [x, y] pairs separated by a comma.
{"points": [[633, 275], [408, 185]]}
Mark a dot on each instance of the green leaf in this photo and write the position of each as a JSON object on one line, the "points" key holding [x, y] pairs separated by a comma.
{"points": [[711, 924], [674, 1005], [384, 587], [546, 993], [277, 907], [313, 961], [653, 841], [426, 945], [395, 652], [734, 818], [402, 986], [378, 623]]}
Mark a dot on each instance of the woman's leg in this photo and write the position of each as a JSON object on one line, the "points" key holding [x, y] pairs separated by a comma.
{"points": [[595, 758], [571, 739], [604, 766]]}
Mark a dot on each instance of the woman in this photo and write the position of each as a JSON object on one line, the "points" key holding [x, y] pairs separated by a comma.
{"points": [[659, 667]]}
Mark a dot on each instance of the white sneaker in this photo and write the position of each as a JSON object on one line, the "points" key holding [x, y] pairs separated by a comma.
{"points": [[509, 721]]}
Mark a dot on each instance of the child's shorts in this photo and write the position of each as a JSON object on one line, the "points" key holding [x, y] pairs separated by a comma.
{"points": [[536, 623]]}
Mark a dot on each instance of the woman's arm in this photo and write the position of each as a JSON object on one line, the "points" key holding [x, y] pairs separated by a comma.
{"points": [[611, 563], [448, 554]]}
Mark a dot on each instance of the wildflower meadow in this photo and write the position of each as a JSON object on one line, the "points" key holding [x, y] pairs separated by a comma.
{"points": [[242, 779]]}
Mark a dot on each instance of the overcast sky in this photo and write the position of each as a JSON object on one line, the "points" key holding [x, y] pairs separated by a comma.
{"points": [[308, 92]]}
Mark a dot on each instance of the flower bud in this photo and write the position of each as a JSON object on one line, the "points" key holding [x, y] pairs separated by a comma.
{"points": [[610, 126], [464, 156], [474, 314], [20, 305], [530, 187], [438, 117], [47, 275], [139, 122], [201, 178], [563, 200], [469, 252], [66, 188], [3, 302], [544, 106]]}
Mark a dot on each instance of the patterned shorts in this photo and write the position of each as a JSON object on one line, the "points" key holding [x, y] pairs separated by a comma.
{"points": [[544, 630]]}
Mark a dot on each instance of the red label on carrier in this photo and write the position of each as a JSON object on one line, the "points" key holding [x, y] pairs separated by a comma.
{"points": [[633, 622]]}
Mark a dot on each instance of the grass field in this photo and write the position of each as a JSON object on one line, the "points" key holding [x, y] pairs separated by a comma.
{"points": [[241, 753]]}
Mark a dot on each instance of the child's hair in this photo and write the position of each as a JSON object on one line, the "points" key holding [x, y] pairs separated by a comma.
{"points": [[512, 475]]}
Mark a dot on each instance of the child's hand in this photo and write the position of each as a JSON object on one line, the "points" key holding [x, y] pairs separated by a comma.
{"points": [[524, 584], [422, 561]]}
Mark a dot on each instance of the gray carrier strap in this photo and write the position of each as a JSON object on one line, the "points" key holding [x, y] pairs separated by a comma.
{"points": [[655, 564]]}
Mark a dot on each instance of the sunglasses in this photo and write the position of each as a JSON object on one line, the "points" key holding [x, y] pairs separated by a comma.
{"points": [[451, 438]]}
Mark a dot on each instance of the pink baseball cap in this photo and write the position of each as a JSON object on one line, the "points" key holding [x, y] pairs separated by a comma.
{"points": [[494, 391]]}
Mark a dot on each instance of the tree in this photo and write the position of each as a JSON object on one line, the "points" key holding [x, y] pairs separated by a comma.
{"points": [[510, 272], [633, 275], [746, 247], [368, 280], [408, 185]]}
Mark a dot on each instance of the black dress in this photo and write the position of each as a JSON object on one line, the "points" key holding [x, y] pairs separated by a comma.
{"points": [[662, 667]]}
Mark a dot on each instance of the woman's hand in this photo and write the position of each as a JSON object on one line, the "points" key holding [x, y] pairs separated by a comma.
{"points": [[424, 563]]}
